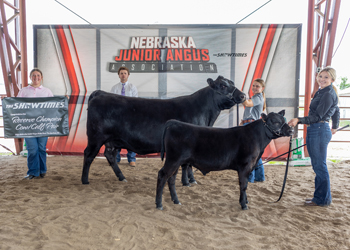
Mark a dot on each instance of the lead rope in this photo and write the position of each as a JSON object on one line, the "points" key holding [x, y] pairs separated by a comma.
{"points": [[286, 173], [290, 146]]}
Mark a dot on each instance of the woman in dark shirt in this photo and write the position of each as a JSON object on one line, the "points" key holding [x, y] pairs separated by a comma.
{"points": [[323, 107]]}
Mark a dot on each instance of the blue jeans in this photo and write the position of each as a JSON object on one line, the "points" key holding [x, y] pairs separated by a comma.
{"points": [[36, 159], [131, 156], [258, 174], [317, 139]]}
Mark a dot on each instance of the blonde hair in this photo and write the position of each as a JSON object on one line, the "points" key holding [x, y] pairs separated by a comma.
{"points": [[332, 72], [262, 83]]}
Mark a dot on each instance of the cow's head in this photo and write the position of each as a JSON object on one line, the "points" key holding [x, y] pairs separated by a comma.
{"points": [[276, 124], [227, 88]]}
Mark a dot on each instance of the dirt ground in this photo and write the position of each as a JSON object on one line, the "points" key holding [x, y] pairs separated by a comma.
{"points": [[58, 212]]}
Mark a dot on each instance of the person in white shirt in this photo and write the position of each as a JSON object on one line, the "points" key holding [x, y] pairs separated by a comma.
{"points": [[124, 87]]}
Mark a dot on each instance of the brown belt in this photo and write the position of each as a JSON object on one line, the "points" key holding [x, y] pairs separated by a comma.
{"points": [[249, 120]]}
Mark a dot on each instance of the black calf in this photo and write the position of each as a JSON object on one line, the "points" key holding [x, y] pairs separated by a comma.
{"points": [[214, 149]]}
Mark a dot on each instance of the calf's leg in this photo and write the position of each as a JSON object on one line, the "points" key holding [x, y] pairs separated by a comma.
{"points": [[111, 154], [172, 189], [243, 184], [162, 178]]}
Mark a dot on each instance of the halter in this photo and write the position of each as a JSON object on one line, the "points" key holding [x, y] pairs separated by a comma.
{"points": [[230, 95], [276, 132]]}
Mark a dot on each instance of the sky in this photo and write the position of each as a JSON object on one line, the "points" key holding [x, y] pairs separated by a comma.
{"points": [[188, 12]]}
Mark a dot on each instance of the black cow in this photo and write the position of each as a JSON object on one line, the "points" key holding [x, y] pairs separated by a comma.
{"points": [[137, 124], [215, 149]]}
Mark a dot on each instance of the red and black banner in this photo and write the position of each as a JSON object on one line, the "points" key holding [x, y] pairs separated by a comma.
{"points": [[167, 61]]}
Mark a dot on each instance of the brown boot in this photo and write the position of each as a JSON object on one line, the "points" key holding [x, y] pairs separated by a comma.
{"points": [[132, 164]]}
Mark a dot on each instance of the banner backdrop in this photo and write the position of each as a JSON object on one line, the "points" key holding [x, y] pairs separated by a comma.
{"points": [[35, 117], [167, 61]]}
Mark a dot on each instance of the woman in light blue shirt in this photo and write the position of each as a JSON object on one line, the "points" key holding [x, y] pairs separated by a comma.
{"points": [[253, 109]]}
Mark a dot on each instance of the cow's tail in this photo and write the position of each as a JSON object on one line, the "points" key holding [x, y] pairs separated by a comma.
{"points": [[162, 148]]}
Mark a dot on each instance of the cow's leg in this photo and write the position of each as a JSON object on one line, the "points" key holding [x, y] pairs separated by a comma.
{"points": [[243, 184], [172, 189], [187, 175], [162, 179], [190, 175], [111, 154], [90, 153], [184, 178]]}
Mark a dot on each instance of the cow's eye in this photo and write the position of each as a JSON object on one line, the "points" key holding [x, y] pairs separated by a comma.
{"points": [[223, 87], [275, 123]]}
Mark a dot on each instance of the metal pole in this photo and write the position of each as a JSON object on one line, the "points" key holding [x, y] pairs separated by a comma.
{"points": [[23, 40], [309, 55]]}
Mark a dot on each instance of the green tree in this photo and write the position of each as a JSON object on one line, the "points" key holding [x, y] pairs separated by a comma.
{"points": [[344, 84]]}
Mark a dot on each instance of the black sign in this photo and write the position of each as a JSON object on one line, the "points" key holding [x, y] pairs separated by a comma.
{"points": [[35, 117]]}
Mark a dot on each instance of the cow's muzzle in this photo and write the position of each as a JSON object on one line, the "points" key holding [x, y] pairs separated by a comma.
{"points": [[238, 97], [284, 130]]}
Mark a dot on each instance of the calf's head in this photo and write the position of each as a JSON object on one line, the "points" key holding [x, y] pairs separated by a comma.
{"points": [[276, 124], [227, 88]]}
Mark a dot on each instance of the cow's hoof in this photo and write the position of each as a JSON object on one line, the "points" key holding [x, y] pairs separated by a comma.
{"points": [[245, 208], [193, 182], [186, 184], [124, 180], [85, 182], [160, 208]]}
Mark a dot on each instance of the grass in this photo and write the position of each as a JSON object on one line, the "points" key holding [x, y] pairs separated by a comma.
{"points": [[6, 154], [335, 160], [276, 162], [343, 123], [284, 162]]}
